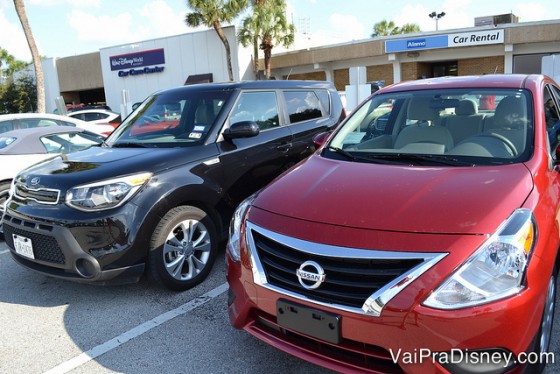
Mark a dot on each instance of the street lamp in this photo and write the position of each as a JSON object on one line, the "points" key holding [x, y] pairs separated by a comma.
{"points": [[436, 16]]}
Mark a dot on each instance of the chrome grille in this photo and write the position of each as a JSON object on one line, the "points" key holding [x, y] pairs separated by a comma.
{"points": [[41, 195], [357, 280]]}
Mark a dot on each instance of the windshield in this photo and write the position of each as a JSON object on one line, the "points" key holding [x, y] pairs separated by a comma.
{"points": [[455, 127], [172, 118]]}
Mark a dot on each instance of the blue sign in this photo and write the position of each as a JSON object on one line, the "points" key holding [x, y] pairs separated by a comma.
{"points": [[403, 45], [137, 59]]}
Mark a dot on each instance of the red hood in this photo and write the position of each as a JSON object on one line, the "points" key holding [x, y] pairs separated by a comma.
{"points": [[467, 200]]}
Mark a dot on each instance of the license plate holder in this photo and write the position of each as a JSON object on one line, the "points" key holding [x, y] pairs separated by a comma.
{"points": [[313, 322], [23, 246]]}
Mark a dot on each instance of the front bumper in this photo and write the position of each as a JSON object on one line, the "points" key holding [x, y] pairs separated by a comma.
{"points": [[101, 250]]}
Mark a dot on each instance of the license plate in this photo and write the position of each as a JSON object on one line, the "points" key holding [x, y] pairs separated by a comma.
{"points": [[316, 323], [23, 246]]}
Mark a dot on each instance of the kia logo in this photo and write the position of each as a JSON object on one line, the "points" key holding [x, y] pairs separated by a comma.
{"points": [[35, 181], [310, 275]]}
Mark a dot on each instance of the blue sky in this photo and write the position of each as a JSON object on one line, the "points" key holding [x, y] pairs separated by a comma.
{"points": [[71, 27]]}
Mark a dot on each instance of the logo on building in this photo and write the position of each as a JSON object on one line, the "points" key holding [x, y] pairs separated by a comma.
{"points": [[137, 59]]}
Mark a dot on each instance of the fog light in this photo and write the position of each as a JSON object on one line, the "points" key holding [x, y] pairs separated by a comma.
{"points": [[86, 268], [493, 360]]}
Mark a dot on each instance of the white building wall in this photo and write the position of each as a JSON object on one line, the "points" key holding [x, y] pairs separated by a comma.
{"points": [[187, 54], [52, 87]]}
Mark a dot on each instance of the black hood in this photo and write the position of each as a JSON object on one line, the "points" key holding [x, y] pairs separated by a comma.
{"points": [[101, 163]]}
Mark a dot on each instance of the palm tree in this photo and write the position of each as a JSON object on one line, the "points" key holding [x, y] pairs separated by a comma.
{"points": [[212, 13], [269, 25], [20, 10], [409, 28], [249, 33], [385, 28]]}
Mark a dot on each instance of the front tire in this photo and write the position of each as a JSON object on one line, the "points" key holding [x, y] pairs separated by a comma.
{"points": [[183, 248]]}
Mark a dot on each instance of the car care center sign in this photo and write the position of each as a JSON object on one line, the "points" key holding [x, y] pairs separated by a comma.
{"points": [[467, 39], [138, 63]]}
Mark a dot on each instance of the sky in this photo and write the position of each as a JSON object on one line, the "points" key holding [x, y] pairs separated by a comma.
{"points": [[64, 28]]}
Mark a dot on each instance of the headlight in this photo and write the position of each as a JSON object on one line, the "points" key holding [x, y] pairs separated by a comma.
{"points": [[235, 228], [106, 194], [495, 271]]}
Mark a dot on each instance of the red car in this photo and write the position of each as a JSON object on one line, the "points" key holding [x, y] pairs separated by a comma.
{"points": [[422, 237]]}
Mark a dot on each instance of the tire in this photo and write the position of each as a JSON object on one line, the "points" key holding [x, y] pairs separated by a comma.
{"points": [[543, 337], [182, 248]]}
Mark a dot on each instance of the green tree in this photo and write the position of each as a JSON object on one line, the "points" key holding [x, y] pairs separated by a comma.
{"points": [[385, 28], [19, 96], [212, 13], [40, 85], [9, 64], [269, 24]]}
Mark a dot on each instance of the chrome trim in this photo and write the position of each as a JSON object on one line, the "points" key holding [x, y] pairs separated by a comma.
{"points": [[375, 303], [38, 190]]}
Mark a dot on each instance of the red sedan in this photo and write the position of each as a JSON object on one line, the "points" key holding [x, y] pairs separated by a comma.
{"points": [[421, 237]]}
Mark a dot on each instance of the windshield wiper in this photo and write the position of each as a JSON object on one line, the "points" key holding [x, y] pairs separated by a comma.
{"points": [[131, 145], [360, 158], [422, 159]]}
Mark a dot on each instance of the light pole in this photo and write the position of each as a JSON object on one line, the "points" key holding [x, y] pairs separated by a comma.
{"points": [[436, 16]]}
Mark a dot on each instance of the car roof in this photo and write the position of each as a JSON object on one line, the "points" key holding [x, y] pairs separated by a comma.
{"points": [[264, 84], [467, 81], [74, 112], [28, 138]]}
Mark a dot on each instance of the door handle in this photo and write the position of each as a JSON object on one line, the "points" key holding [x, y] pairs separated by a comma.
{"points": [[284, 147]]}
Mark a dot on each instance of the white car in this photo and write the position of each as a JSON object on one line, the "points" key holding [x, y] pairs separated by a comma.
{"points": [[97, 116], [22, 148], [17, 121]]}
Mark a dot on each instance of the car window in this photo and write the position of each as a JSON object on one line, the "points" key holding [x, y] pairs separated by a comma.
{"points": [[6, 141], [69, 142], [440, 123], [6, 126], [260, 106], [302, 105], [325, 100], [552, 117], [171, 119]]}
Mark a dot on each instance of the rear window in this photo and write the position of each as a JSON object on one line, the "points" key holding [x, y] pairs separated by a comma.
{"points": [[302, 105]]}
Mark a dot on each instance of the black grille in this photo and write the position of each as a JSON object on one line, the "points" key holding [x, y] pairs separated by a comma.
{"points": [[348, 282], [45, 248], [44, 196]]}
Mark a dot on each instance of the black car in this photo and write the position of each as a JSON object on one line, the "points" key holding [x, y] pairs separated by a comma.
{"points": [[160, 192]]}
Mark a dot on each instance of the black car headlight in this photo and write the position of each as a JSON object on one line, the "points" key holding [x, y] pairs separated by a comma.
{"points": [[106, 194]]}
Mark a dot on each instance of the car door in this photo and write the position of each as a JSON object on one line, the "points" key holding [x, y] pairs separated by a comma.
{"points": [[307, 117], [250, 163]]}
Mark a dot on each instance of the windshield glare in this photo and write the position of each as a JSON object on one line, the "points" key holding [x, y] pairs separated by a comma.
{"points": [[171, 119], [475, 126]]}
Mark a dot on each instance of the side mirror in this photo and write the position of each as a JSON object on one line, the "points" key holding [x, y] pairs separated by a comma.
{"points": [[320, 139], [243, 129]]}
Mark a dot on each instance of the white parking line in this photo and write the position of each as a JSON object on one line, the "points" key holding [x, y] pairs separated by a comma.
{"points": [[137, 331], [4, 251]]}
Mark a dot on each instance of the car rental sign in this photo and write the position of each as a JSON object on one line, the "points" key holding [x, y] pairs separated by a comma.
{"points": [[491, 36]]}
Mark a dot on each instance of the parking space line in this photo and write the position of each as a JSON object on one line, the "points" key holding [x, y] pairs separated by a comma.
{"points": [[136, 331], [4, 251]]}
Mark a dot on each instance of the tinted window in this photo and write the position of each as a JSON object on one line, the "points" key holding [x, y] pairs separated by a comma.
{"points": [[6, 141], [325, 100], [6, 126], [302, 105], [260, 107]]}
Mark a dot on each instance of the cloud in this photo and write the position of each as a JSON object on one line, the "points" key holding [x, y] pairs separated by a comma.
{"points": [[162, 20], [104, 28], [346, 27], [528, 12], [12, 39]]}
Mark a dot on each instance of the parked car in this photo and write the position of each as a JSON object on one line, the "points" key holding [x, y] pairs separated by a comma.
{"points": [[22, 148], [431, 247], [17, 121], [97, 116], [162, 198]]}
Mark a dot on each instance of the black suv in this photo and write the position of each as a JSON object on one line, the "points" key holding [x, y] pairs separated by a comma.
{"points": [[161, 191]]}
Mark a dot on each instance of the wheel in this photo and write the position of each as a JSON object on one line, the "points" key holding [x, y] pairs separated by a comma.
{"points": [[182, 249], [542, 340]]}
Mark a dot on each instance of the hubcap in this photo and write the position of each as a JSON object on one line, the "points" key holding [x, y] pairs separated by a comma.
{"points": [[186, 250]]}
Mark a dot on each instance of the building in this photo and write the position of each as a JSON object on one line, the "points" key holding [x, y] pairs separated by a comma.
{"points": [[128, 73]]}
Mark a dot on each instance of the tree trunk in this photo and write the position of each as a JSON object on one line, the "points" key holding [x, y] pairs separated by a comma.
{"points": [[224, 40], [20, 9], [256, 56], [267, 58]]}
